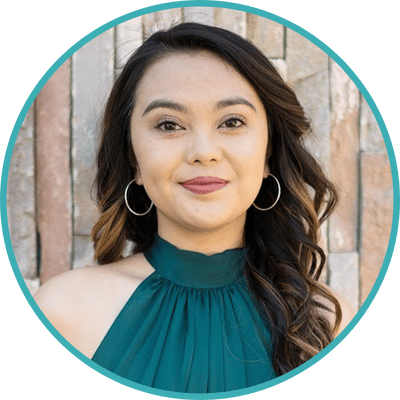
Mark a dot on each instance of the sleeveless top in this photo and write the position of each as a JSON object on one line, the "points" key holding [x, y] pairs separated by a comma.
{"points": [[191, 326]]}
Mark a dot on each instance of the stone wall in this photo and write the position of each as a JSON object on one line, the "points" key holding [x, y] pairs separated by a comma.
{"points": [[50, 209]]}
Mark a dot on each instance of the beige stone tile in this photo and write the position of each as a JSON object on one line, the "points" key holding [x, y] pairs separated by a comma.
{"points": [[92, 77], [377, 211], [281, 67], [343, 277], [313, 94], [54, 196], [344, 162], [128, 37], [158, 20], [304, 59], [267, 35], [201, 15], [32, 285], [83, 251], [371, 138], [232, 20], [21, 199]]}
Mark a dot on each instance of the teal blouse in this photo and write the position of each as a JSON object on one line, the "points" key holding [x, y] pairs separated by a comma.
{"points": [[191, 326]]}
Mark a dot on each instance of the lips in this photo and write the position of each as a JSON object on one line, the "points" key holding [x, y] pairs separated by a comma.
{"points": [[204, 184]]}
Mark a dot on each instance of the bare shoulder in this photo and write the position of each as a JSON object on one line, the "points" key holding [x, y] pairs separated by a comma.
{"points": [[82, 304], [347, 312], [75, 285]]}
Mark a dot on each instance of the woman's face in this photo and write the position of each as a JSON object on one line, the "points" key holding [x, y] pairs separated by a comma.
{"points": [[199, 133]]}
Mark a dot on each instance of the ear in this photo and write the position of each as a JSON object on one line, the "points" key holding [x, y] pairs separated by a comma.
{"points": [[138, 177], [266, 169], [267, 157]]}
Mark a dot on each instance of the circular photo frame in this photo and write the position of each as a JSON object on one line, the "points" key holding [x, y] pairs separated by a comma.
{"points": [[350, 141]]}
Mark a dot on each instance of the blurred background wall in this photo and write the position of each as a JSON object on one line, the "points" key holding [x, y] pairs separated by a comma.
{"points": [[50, 211]]}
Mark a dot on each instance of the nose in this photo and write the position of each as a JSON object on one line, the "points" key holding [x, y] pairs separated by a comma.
{"points": [[204, 148]]}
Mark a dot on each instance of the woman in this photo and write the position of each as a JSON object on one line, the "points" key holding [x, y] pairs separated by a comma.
{"points": [[201, 165]]}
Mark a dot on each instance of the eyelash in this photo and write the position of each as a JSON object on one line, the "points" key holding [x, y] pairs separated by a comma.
{"points": [[235, 118], [165, 121], [160, 125]]}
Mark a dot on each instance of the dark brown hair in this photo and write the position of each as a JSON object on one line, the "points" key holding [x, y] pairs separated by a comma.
{"points": [[284, 261]]}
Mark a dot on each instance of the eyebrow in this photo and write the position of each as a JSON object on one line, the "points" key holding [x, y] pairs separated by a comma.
{"points": [[181, 108], [233, 102], [165, 104]]}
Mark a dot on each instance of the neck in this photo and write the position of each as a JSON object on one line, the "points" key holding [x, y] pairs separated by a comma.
{"points": [[208, 242], [195, 269]]}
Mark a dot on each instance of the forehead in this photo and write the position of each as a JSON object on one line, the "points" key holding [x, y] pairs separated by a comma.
{"points": [[194, 74]]}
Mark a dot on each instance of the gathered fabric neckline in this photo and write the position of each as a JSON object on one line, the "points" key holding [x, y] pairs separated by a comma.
{"points": [[191, 326], [193, 269]]}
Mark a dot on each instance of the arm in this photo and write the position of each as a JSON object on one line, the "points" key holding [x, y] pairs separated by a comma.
{"points": [[57, 301]]}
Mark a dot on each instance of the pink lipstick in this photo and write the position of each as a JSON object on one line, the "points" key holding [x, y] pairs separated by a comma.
{"points": [[204, 184]]}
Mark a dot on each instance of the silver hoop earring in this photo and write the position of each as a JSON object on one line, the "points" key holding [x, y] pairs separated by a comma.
{"points": [[277, 198], [127, 204]]}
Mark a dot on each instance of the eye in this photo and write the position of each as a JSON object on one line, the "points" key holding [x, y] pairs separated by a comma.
{"points": [[168, 126], [233, 122]]}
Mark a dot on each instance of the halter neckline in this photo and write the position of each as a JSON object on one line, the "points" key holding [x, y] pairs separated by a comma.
{"points": [[195, 269]]}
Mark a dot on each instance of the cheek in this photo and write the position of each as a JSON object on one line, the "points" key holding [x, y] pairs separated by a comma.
{"points": [[144, 157], [252, 167], [251, 156], [155, 159]]}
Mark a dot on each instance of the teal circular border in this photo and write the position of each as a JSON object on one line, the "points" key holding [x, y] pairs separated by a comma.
{"points": [[233, 6]]}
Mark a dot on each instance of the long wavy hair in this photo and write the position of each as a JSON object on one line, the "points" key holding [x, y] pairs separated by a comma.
{"points": [[284, 261]]}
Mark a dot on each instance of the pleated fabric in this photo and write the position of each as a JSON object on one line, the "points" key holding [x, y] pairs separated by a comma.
{"points": [[191, 326]]}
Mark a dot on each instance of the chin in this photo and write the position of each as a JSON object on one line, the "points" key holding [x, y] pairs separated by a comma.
{"points": [[213, 222]]}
